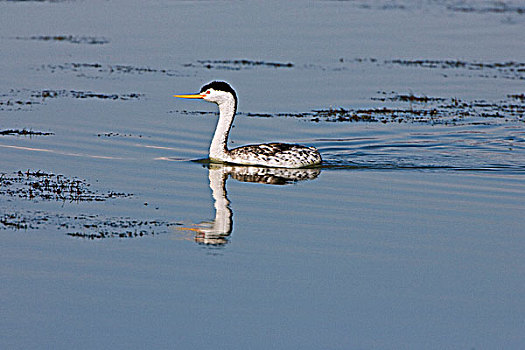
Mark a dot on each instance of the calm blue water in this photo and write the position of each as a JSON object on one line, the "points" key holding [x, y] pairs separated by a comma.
{"points": [[409, 236]]}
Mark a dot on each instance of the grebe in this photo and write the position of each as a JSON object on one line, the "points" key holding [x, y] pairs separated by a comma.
{"points": [[282, 155]]}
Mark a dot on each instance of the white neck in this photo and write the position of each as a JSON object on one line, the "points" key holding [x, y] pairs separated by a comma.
{"points": [[218, 147]]}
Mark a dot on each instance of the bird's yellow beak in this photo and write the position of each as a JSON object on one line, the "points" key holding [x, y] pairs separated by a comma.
{"points": [[189, 96]]}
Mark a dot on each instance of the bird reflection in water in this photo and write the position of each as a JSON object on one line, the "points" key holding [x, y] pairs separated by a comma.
{"points": [[218, 231]]}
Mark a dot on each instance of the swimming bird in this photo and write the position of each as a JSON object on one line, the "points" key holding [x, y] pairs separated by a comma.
{"points": [[282, 155]]}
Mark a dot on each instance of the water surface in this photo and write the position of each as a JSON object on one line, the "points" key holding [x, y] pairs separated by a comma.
{"points": [[409, 236]]}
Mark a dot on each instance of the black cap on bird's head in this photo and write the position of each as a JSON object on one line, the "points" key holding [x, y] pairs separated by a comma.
{"points": [[212, 92], [219, 86]]}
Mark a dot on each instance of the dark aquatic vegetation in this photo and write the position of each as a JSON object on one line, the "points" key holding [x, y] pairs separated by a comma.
{"points": [[96, 227], [25, 132], [424, 109], [116, 134], [513, 70], [38, 185], [408, 98], [499, 7], [16, 104], [14, 222], [72, 39], [507, 70], [25, 99], [51, 1], [466, 6], [100, 70], [84, 95], [90, 227], [237, 64], [520, 97], [420, 109]]}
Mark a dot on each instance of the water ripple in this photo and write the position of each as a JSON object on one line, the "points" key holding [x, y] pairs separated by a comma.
{"points": [[499, 148]]}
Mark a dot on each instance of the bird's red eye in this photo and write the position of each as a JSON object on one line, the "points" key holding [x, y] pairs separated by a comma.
{"points": [[208, 92]]}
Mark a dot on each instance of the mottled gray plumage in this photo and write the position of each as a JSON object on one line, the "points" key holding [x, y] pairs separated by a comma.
{"points": [[276, 154]]}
